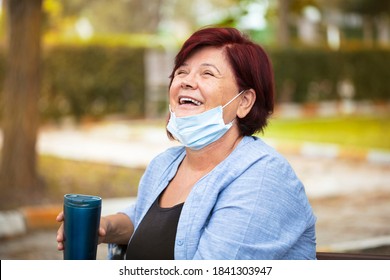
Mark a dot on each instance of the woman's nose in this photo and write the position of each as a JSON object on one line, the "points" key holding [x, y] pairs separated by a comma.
{"points": [[188, 83]]}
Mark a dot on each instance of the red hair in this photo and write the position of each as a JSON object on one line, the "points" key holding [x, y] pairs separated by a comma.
{"points": [[251, 66]]}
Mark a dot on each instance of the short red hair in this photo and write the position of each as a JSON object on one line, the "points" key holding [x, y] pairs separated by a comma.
{"points": [[251, 66]]}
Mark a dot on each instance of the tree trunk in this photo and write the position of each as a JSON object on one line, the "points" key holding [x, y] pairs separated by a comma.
{"points": [[18, 173], [283, 24], [368, 30], [383, 25]]}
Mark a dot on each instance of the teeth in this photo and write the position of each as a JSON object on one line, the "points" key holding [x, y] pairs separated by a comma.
{"points": [[184, 100]]}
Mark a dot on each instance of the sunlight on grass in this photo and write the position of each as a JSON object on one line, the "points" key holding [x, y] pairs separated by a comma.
{"points": [[67, 176], [360, 132]]}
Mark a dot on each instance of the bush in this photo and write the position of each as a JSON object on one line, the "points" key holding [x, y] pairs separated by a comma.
{"points": [[93, 81], [313, 75]]}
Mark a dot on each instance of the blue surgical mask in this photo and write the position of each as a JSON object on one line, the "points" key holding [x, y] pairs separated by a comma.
{"points": [[198, 131]]}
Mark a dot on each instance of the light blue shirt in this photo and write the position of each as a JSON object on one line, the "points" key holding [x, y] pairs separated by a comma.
{"points": [[250, 206]]}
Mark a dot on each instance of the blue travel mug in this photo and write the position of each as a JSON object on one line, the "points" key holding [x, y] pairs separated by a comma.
{"points": [[81, 226]]}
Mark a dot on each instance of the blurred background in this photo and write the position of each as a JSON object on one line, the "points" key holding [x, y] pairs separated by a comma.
{"points": [[84, 100]]}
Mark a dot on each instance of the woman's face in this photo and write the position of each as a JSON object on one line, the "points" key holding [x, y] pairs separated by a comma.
{"points": [[203, 82]]}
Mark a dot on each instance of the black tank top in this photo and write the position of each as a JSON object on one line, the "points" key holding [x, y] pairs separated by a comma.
{"points": [[154, 238]]}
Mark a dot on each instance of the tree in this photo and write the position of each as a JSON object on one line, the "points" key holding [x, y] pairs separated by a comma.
{"points": [[371, 11], [373, 14], [283, 26], [18, 171], [284, 13], [110, 17]]}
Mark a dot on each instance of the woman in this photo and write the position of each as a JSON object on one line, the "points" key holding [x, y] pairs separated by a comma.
{"points": [[224, 194]]}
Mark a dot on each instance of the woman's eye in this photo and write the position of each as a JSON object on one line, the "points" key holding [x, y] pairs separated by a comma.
{"points": [[208, 73], [179, 72]]}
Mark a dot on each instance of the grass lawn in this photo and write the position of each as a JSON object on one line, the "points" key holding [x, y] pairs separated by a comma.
{"points": [[371, 132], [63, 176]]}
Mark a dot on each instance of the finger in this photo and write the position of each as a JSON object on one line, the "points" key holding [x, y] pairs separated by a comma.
{"points": [[102, 232], [102, 235], [60, 234], [60, 217], [60, 246]]}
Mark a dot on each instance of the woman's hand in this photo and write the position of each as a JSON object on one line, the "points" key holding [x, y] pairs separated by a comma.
{"points": [[60, 232]]}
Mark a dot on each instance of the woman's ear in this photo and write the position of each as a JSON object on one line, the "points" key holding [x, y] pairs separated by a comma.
{"points": [[247, 100]]}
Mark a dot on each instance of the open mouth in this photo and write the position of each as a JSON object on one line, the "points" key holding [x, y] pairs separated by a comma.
{"points": [[189, 101]]}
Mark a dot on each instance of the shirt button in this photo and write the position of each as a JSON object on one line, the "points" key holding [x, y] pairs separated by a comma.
{"points": [[180, 243]]}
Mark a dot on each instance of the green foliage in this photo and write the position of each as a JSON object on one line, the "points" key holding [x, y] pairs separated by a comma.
{"points": [[92, 80], [369, 72], [365, 7], [303, 75]]}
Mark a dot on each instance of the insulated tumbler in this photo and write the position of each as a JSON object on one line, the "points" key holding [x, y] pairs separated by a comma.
{"points": [[81, 226]]}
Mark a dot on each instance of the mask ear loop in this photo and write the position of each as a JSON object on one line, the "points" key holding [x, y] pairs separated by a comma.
{"points": [[232, 101], [233, 98]]}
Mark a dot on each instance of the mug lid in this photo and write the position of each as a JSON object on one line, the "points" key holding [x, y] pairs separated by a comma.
{"points": [[82, 200]]}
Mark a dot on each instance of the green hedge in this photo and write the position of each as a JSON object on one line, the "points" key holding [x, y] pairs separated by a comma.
{"points": [[96, 80], [313, 75], [93, 81]]}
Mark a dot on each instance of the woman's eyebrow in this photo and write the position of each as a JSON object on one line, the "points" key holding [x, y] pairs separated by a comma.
{"points": [[211, 65], [203, 64], [182, 65]]}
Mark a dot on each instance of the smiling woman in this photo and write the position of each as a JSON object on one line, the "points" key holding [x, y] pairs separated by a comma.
{"points": [[237, 64], [223, 193]]}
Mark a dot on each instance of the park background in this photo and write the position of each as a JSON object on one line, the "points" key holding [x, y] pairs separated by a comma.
{"points": [[84, 66]]}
